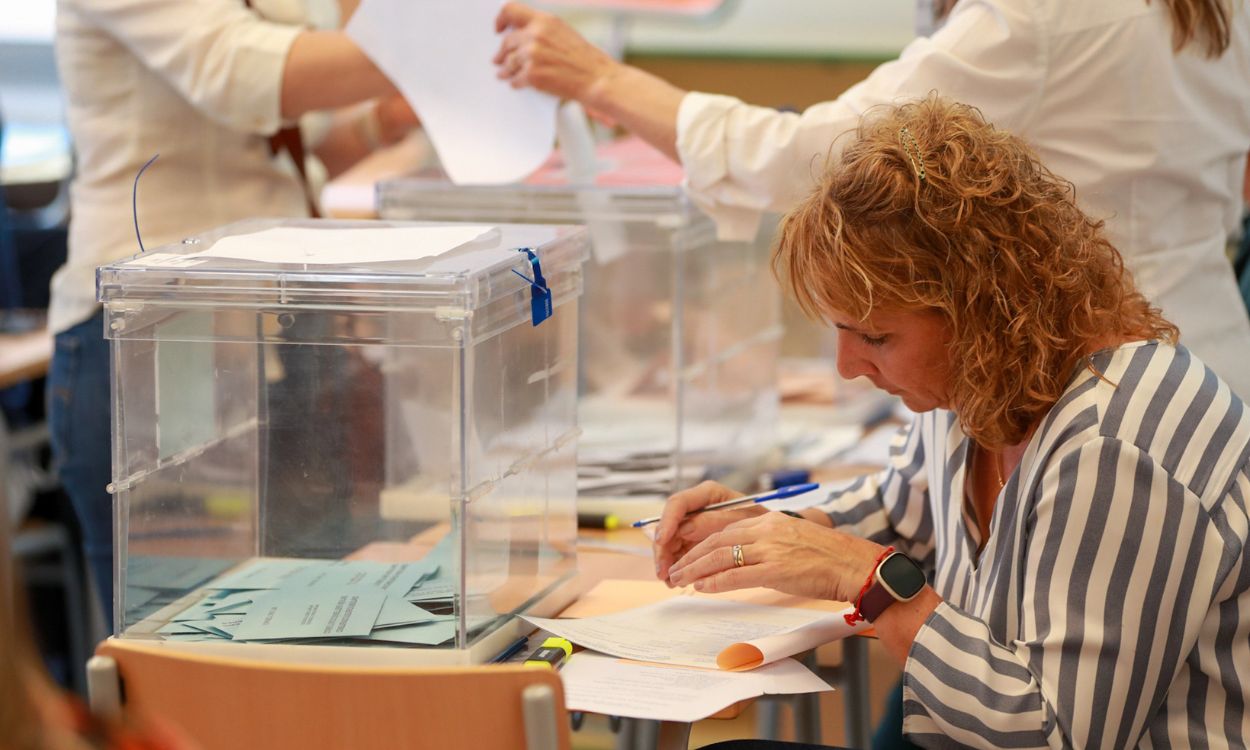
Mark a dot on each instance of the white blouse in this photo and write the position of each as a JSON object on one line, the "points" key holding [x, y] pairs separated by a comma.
{"points": [[197, 81], [1110, 606], [1155, 142]]}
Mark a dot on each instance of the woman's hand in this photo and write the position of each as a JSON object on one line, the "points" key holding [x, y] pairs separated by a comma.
{"points": [[542, 51], [779, 552], [678, 531], [394, 118]]}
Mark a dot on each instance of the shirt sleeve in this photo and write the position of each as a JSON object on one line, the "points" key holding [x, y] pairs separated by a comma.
{"points": [[1121, 566], [742, 160], [223, 58], [891, 508]]}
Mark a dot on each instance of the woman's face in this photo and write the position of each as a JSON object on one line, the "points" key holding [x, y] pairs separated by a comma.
{"points": [[903, 353]]}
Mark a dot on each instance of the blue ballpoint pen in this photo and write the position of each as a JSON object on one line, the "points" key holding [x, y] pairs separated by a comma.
{"points": [[511, 651], [777, 494]]}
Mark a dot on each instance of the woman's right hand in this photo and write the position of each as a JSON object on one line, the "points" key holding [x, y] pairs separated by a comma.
{"points": [[678, 530], [540, 50]]}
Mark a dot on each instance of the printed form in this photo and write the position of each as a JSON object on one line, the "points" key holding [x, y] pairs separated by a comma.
{"points": [[701, 632]]}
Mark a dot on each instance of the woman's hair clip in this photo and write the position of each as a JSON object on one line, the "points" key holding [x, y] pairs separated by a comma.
{"points": [[913, 152]]}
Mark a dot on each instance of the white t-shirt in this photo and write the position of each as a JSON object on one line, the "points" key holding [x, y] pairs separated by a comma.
{"points": [[197, 81], [1155, 142]]}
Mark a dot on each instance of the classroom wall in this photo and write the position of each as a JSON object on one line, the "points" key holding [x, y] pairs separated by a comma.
{"points": [[774, 28], [773, 82]]}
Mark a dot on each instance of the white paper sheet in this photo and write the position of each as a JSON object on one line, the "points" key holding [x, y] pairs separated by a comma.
{"points": [[438, 53], [165, 260], [686, 631], [347, 246], [767, 649], [616, 687]]}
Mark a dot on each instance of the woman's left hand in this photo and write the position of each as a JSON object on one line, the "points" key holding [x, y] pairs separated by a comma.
{"points": [[780, 552]]}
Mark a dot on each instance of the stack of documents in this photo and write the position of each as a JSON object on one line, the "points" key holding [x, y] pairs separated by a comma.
{"points": [[685, 658], [641, 475], [629, 448], [271, 600], [154, 582], [704, 632]]}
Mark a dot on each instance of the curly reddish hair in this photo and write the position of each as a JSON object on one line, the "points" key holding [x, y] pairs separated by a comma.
{"points": [[932, 208]]}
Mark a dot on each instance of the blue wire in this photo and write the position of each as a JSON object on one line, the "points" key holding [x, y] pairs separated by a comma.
{"points": [[134, 201]]}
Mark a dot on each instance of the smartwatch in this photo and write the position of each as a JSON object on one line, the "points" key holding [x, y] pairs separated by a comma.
{"points": [[897, 579]]}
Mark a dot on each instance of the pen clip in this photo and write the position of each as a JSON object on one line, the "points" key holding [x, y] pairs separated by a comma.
{"points": [[789, 491]]}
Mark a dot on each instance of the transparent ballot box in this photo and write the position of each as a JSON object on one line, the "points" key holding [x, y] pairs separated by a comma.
{"points": [[345, 434], [680, 331]]}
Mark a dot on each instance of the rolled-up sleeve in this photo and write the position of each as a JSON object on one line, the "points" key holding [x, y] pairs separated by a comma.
{"points": [[1121, 567], [223, 58], [891, 507], [743, 160]]}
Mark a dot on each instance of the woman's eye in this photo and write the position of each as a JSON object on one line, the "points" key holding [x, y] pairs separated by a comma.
{"points": [[872, 340]]}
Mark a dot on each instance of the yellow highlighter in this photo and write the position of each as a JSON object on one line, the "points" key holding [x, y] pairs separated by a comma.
{"points": [[605, 521], [551, 654]]}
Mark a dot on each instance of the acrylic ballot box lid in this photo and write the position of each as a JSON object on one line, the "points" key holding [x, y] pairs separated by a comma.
{"points": [[306, 409], [633, 183], [302, 262]]}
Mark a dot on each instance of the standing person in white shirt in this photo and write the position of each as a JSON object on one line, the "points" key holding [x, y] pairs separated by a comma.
{"points": [[204, 83], [1143, 104]]}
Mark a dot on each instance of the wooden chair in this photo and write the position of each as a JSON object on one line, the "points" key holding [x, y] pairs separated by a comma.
{"points": [[234, 703]]}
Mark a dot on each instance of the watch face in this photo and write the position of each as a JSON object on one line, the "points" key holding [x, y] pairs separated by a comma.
{"points": [[902, 575]]}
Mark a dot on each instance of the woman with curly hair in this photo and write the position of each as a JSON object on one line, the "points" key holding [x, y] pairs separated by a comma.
{"points": [[1057, 553]]}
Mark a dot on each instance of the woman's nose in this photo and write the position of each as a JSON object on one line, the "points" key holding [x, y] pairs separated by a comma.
{"points": [[851, 361]]}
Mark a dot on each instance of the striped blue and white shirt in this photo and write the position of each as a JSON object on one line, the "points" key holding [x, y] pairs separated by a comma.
{"points": [[1110, 606]]}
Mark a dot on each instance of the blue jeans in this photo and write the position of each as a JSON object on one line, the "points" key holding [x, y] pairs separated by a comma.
{"points": [[80, 423]]}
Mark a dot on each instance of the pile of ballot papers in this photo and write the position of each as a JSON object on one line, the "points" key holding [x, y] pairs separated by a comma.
{"points": [[684, 658], [341, 602]]}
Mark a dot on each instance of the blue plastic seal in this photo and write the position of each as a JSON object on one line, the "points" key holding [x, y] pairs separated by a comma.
{"points": [[540, 295]]}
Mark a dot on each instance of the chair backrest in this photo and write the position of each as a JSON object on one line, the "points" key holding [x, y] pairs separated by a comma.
{"points": [[229, 704]]}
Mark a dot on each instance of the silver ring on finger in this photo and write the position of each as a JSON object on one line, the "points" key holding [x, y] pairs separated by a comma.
{"points": [[738, 561]]}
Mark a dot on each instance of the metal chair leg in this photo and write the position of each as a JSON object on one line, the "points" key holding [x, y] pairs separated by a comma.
{"points": [[855, 690], [625, 734], [807, 709], [768, 719]]}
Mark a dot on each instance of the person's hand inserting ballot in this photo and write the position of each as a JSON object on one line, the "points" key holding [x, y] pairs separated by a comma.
{"points": [[776, 551], [679, 531], [542, 51]]}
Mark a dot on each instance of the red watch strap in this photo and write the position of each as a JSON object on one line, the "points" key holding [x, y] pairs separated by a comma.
{"points": [[875, 601], [858, 615]]}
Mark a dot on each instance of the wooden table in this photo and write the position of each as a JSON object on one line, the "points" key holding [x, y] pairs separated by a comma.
{"points": [[24, 356]]}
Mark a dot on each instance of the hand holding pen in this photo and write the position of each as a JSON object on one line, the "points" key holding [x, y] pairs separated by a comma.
{"points": [[685, 523], [777, 494]]}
